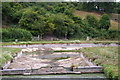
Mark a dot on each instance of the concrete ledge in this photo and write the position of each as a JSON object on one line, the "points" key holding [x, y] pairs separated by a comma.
{"points": [[79, 70], [89, 69]]}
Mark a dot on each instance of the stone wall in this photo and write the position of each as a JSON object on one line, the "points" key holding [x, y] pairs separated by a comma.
{"points": [[88, 69]]}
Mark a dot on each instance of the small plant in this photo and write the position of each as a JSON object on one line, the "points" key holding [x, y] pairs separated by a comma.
{"points": [[72, 66], [7, 56], [106, 43], [61, 58], [118, 43], [96, 42]]}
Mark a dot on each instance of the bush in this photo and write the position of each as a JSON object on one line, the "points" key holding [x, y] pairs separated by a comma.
{"points": [[92, 21], [10, 34], [113, 34], [2, 59], [111, 72], [104, 22], [7, 56]]}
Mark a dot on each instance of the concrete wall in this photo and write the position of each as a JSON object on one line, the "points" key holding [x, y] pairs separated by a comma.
{"points": [[7, 64]]}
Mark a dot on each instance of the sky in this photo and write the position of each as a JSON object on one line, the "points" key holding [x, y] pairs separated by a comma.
{"points": [[117, 0], [86, 0], [58, 0]]}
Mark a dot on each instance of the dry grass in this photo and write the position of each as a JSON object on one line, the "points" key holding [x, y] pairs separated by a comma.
{"points": [[114, 24], [83, 14]]}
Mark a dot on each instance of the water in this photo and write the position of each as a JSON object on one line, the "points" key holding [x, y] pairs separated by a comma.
{"points": [[97, 75]]}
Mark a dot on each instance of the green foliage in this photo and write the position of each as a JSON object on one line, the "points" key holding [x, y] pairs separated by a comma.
{"points": [[62, 25], [10, 34], [98, 6], [88, 6], [57, 19], [111, 72], [106, 57], [104, 22], [113, 34], [92, 21], [7, 54], [2, 60]]}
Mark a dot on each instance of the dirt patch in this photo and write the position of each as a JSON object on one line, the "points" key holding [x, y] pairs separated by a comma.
{"points": [[28, 63], [77, 61], [44, 58]]}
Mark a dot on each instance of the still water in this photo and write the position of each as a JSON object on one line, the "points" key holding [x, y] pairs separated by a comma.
{"points": [[97, 75]]}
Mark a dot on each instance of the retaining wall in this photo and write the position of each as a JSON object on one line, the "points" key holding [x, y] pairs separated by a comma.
{"points": [[7, 64]]}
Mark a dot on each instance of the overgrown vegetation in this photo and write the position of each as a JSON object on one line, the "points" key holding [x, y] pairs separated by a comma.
{"points": [[11, 34], [42, 19], [106, 57], [7, 54], [60, 58], [57, 42], [103, 56]]}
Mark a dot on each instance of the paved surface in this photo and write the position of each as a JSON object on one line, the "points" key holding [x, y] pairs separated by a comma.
{"points": [[60, 45]]}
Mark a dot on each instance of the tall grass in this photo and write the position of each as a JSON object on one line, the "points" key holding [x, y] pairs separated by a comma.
{"points": [[6, 54], [106, 57]]}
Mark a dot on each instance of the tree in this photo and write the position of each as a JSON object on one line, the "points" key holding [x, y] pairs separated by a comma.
{"points": [[62, 24], [77, 19], [92, 21], [101, 6], [32, 21], [104, 22], [38, 28], [88, 6]]}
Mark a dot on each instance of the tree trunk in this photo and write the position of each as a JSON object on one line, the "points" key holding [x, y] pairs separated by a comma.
{"points": [[66, 36]]}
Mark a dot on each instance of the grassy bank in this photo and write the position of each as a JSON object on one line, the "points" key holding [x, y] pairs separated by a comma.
{"points": [[106, 57], [114, 24], [56, 42], [103, 56], [7, 54]]}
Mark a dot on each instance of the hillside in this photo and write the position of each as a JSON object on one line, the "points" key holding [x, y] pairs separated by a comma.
{"points": [[114, 17], [21, 20]]}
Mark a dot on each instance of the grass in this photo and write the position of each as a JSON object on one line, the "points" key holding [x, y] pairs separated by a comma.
{"points": [[7, 54], [60, 58], [106, 57], [103, 56], [83, 14], [66, 50], [54, 42]]}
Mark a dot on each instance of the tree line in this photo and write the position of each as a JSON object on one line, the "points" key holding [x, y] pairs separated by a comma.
{"points": [[58, 19]]}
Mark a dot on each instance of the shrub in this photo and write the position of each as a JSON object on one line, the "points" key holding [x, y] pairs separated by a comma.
{"points": [[7, 56], [92, 21], [10, 34], [2, 60], [104, 22], [111, 72], [113, 34]]}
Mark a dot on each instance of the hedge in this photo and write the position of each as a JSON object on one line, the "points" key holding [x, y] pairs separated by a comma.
{"points": [[11, 34]]}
